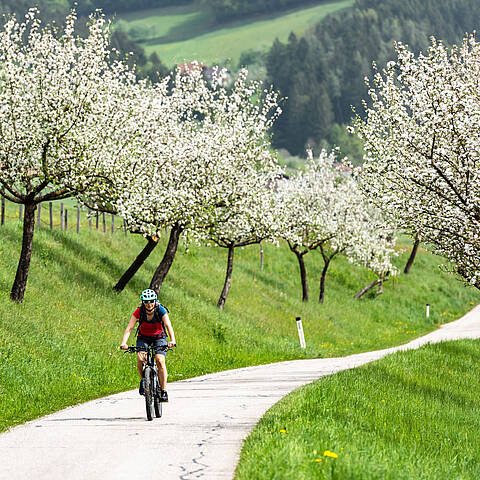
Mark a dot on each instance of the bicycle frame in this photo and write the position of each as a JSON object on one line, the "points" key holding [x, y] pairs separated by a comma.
{"points": [[150, 358], [150, 380]]}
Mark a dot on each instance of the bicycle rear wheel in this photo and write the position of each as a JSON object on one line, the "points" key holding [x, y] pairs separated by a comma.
{"points": [[149, 391], [158, 407]]}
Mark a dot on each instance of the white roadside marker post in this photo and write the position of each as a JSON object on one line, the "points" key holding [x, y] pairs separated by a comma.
{"points": [[301, 336], [428, 310]]}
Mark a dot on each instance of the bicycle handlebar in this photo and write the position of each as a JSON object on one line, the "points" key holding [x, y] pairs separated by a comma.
{"points": [[133, 348]]}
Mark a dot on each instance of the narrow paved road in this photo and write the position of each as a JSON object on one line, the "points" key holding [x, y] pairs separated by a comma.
{"points": [[199, 436]]}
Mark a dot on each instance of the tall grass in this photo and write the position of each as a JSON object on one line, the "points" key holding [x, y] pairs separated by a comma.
{"points": [[60, 346], [413, 415]]}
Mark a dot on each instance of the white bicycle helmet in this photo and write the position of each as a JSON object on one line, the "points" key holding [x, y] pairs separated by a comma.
{"points": [[147, 295]]}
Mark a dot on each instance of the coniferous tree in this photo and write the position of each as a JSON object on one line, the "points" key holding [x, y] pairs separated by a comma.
{"points": [[337, 54]]}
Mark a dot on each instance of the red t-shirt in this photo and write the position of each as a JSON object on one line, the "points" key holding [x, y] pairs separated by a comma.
{"points": [[151, 329]]}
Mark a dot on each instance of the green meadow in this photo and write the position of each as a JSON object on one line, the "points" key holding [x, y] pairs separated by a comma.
{"points": [[61, 345], [179, 34], [412, 415]]}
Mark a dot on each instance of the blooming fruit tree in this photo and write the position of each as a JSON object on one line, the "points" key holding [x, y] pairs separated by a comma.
{"points": [[324, 209], [305, 202], [249, 220], [65, 114], [422, 149], [209, 146]]}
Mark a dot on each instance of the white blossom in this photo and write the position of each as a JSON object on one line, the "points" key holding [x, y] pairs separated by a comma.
{"points": [[422, 149], [323, 209], [207, 148], [67, 116]]}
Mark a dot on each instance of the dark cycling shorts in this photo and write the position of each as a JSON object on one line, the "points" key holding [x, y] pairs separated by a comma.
{"points": [[157, 342]]}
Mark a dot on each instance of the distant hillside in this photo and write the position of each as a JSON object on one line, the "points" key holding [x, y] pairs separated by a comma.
{"points": [[322, 74], [50, 10], [187, 33], [232, 9], [57, 10], [318, 54], [117, 6]]}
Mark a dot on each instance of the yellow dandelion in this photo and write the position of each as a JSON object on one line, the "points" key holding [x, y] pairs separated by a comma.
{"points": [[283, 431], [328, 453], [318, 460]]}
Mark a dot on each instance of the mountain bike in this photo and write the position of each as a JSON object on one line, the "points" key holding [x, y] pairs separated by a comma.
{"points": [[150, 380]]}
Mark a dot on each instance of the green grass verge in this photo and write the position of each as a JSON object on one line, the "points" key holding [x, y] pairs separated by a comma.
{"points": [[412, 415], [185, 33], [60, 346]]}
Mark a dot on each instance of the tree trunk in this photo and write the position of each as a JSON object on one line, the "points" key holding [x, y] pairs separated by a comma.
{"points": [[303, 275], [167, 260], [411, 258], [137, 263], [326, 263], [228, 278], [20, 282], [378, 281]]}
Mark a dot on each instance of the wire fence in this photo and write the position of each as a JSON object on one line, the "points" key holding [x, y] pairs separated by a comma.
{"points": [[59, 216]]}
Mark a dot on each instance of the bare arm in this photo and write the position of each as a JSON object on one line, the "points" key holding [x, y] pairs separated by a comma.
{"points": [[127, 332], [168, 326]]}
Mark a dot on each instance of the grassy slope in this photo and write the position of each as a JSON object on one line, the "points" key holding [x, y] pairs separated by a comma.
{"points": [[185, 34], [60, 346], [413, 415]]}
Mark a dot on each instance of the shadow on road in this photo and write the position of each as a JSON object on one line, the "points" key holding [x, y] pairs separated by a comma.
{"points": [[100, 419]]}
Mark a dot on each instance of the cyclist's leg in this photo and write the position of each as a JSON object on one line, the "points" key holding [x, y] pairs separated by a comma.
{"points": [[160, 354], [140, 360], [162, 370], [142, 355]]}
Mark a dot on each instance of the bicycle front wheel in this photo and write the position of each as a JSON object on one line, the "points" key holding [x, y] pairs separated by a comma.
{"points": [[149, 386], [158, 405]]}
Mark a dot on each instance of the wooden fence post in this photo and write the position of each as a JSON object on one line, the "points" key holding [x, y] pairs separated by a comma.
{"points": [[50, 208], [20, 212], [61, 216], [39, 215], [78, 219], [125, 227], [90, 220], [66, 219], [104, 223], [96, 221], [50, 211], [3, 211], [113, 223]]}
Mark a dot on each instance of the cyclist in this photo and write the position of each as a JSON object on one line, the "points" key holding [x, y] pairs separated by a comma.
{"points": [[153, 327]]}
